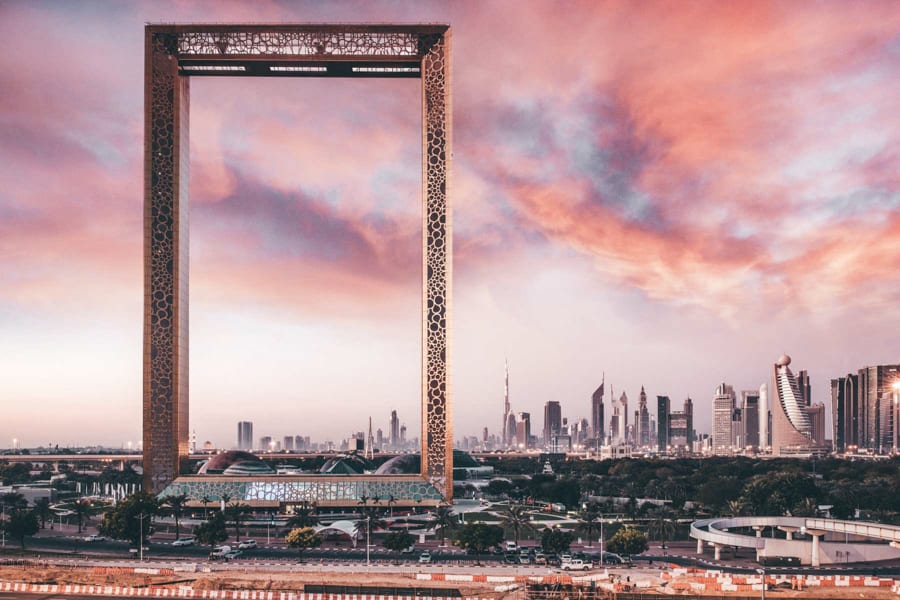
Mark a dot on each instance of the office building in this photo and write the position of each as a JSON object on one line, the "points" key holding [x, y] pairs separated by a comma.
{"points": [[863, 412], [288, 443], [245, 435], [395, 430], [722, 415], [681, 427], [623, 419], [597, 418], [552, 421], [523, 430], [662, 423], [750, 415], [265, 444], [505, 429], [791, 429], [765, 419], [642, 421]]}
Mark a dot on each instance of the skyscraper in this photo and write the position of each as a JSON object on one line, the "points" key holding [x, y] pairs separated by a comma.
{"points": [[597, 411], [723, 409], [765, 433], [862, 408], [623, 419], [523, 430], [750, 413], [791, 429], [662, 423], [552, 421], [642, 421], [505, 428], [245, 435], [681, 427], [395, 430]]}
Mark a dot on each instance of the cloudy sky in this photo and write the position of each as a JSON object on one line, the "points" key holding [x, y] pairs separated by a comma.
{"points": [[673, 193]]}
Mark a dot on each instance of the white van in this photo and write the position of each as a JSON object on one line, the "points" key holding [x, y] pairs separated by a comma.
{"points": [[511, 546]]}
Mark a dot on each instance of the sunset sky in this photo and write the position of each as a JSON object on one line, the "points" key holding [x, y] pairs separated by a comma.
{"points": [[673, 193]]}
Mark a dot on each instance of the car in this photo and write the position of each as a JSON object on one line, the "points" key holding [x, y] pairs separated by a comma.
{"points": [[511, 546], [576, 564], [524, 559], [511, 558], [219, 552], [95, 538], [408, 549], [540, 558], [247, 545], [564, 558], [232, 555], [612, 559], [425, 557], [185, 541]]}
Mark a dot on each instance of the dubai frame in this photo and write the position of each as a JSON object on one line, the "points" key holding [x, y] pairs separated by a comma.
{"points": [[174, 54]]}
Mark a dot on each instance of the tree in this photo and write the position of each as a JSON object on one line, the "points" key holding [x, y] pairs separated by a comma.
{"points": [[735, 507], [443, 520], [83, 510], [20, 524], [204, 501], [42, 511], [212, 531], [556, 541], [237, 512], [176, 504], [516, 518], [499, 488], [304, 515], [303, 538], [662, 527], [13, 500], [478, 537], [397, 541], [589, 521], [627, 541], [131, 517]]}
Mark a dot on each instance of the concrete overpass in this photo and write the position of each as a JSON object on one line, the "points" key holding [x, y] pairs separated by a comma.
{"points": [[830, 540]]}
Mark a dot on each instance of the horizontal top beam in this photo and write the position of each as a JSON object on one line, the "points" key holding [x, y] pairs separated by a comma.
{"points": [[415, 29]]}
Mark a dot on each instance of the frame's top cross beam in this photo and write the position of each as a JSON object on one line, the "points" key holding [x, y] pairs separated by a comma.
{"points": [[302, 41], [304, 50]]}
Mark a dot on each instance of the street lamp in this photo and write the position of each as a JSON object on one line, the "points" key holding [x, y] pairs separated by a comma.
{"points": [[368, 529], [141, 518], [763, 573]]}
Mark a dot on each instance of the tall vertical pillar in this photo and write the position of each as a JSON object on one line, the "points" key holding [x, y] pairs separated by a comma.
{"points": [[166, 176], [437, 438]]}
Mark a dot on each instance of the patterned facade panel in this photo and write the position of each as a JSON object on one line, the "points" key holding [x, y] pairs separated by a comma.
{"points": [[358, 44], [165, 264], [343, 491], [437, 451]]}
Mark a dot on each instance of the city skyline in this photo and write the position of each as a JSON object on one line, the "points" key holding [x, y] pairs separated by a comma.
{"points": [[636, 192]]}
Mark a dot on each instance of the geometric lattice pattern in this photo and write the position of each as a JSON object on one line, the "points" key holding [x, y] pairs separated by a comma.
{"points": [[173, 54], [322, 489]]}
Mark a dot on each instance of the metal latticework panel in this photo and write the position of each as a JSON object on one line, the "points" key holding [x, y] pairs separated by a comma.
{"points": [[173, 52]]}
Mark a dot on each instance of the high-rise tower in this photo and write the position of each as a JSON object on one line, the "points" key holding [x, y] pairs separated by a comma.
{"points": [[505, 428], [791, 428], [597, 411]]}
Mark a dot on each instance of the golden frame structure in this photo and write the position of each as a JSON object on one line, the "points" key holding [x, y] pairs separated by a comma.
{"points": [[174, 54]]}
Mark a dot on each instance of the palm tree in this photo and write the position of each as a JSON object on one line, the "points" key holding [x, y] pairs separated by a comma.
{"points": [[588, 521], [204, 501], [42, 510], [662, 527], [735, 507], [237, 513], [443, 520], [517, 518], [304, 516], [82, 510], [13, 500], [390, 502], [176, 506]]}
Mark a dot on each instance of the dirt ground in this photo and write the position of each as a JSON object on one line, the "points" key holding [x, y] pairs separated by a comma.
{"points": [[259, 579]]}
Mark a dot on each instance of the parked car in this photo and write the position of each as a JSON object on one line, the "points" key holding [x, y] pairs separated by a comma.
{"points": [[219, 552], [232, 555], [511, 558], [511, 546], [425, 557], [95, 538], [576, 564], [540, 558], [185, 541], [409, 550], [524, 559], [247, 545], [565, 557]]}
